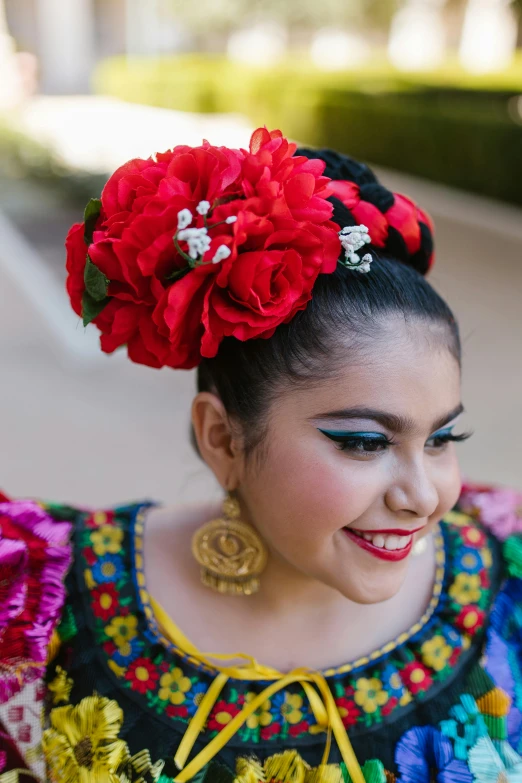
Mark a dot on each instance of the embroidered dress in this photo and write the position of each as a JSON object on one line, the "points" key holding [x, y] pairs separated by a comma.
{"points": [[97, 683]]}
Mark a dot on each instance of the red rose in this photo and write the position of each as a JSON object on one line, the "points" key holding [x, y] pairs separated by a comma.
{"points": [[470, 619], [169, 312]]}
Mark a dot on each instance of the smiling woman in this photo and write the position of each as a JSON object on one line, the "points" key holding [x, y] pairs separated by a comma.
{"points": [[351, 614]]}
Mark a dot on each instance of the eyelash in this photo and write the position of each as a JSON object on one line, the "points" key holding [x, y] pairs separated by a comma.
{"points": [[350, 442]]}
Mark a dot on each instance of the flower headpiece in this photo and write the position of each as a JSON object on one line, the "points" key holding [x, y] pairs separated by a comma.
{"points": [[200, 243]]}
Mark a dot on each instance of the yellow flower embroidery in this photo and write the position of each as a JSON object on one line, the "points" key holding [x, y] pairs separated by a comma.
{"points": [[262, 716], [107, 539], [283, 767], [369, 694], [122, 629], [487, 559], [140, 769], [291, 708], [61, 686], [82, 744], [436, 653], [465, 589], [405, 698], [173, 686], [119, 671], [99, 518], [457, 518]]}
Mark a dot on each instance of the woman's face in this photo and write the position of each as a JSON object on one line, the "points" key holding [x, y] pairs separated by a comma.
{"points": [[342, 493]]}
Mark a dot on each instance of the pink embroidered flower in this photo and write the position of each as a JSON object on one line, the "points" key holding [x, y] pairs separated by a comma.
{"points": [[497, 508], [34, 558]]}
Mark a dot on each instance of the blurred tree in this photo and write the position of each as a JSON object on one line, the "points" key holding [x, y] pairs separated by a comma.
{"points": [[225, 15]]}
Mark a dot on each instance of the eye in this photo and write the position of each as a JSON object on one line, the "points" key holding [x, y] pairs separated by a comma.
{"points": [[441, 439], [359, 443]]}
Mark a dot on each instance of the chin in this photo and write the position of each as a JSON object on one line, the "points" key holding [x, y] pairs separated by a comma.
{"points": [[374, 592]]}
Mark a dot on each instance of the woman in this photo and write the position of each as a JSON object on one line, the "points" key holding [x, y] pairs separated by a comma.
{"points": [[353, 613]]}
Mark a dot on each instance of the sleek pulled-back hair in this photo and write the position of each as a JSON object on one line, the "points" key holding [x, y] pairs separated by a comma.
{"points": [[346, 310]]}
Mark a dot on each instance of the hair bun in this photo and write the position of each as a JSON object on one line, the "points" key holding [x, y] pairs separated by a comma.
{"points": [[395, 223]]}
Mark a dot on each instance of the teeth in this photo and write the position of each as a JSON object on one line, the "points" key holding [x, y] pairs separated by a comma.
{"points": [[391, 543]]}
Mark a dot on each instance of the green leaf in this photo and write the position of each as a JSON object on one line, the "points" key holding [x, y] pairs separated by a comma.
{"points": [[90, 216], [91, 308], [96, 284]]}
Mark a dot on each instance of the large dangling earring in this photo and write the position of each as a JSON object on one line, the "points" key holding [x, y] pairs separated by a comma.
{"points": [[230, 552]]}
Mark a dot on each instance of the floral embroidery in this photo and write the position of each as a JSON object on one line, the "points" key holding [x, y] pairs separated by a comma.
{"points": [[290, 767], [221, 715], [34, 558], [436, 652], [82, 743], [173, 686], [262, 717], [108, 568], [60, 687], [470, 619], [465, 589], [142, 675], [416, 677], [369, 694], [122, 629], [104, 600], [107, 539]]}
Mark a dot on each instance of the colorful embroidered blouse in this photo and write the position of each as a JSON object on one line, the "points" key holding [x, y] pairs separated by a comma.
{"points": [[93, 690]]}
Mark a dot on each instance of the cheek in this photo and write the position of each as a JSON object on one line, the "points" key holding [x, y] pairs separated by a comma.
{"points": [[308, 495]]}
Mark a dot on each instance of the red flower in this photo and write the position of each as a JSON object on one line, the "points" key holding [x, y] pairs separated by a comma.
{"points": [[221, 715], [348, 711], [105, 598], [403, 216], [390, 705], [299, 728], [89, 555], [270, 731], [176, 712], [455, 655], [109, 647], [470, 619], [473, 536], [416, 677], [282, 240], [142, 675]]}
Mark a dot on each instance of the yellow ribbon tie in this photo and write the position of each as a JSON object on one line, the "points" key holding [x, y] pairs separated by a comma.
{"points": [[317, 690]]}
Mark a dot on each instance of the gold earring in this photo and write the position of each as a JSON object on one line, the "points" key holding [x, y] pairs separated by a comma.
{"points": [[231, 554]]}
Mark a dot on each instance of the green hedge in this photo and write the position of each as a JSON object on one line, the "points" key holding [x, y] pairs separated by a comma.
{"points": [[23, 158], [447, 126]]}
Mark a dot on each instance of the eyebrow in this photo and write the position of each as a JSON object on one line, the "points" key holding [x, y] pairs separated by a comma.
{"points": [[401, 425]]}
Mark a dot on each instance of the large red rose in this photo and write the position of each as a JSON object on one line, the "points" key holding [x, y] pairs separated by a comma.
{"points": [[168, 314]]}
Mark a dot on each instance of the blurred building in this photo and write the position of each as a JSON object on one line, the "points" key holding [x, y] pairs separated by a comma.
{"points": [[70, 36]]}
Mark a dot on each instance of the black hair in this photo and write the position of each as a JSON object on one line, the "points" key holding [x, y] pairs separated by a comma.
{"points": [[343, 314]]}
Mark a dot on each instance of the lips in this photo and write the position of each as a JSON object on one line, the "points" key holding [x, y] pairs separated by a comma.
{"points": [[390, 545]]}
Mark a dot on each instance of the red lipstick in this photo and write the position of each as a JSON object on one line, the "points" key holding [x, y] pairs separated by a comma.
{"points": [[391, 555]]}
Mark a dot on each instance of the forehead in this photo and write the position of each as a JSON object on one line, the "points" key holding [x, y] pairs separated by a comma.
{"points": [[407, 373]]}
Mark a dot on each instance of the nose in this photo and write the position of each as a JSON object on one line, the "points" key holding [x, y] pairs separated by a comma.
{"points": [[413, 493]]}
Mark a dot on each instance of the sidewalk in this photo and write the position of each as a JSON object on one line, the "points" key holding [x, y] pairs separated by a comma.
{"points": [[86, 428]]}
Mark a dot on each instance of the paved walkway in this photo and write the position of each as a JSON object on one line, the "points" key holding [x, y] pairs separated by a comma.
{"points": [[82, 427]]}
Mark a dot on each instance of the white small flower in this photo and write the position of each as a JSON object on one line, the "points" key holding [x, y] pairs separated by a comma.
{"points": [[352, 239], [198, 241], [185, 218], [231, 219], [203, 207], [221, 253]]}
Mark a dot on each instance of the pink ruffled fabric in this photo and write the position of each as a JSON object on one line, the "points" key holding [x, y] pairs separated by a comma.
{"points": [[35, 555], [498, 508]]}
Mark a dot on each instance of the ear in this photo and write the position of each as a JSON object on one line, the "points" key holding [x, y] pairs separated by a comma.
{"points": [[215, 439]]}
